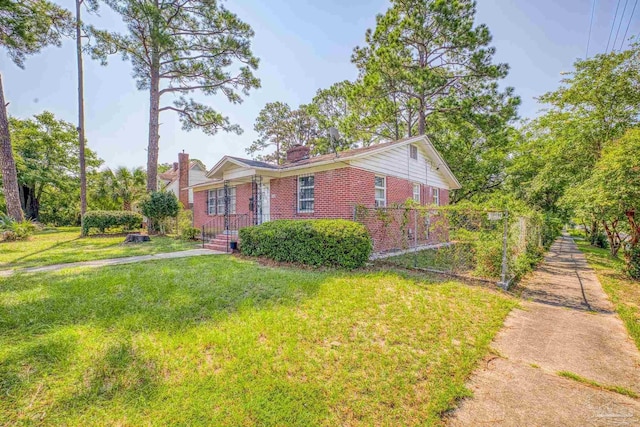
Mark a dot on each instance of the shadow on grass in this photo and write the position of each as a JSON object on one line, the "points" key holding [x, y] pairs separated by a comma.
{"points": [[157, 296], [16, 262]]}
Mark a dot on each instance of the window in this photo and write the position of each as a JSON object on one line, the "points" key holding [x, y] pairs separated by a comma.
{"points": [[381, 191], [216, 201], [211, 202], [436, 196], [416, 192], [305, 193], [413, 152]]}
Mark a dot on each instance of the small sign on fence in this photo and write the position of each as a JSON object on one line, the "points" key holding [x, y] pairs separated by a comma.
{"points": [[494, 216]]}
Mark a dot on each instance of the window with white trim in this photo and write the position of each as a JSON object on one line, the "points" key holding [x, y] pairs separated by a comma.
{"points": [[381, 191], [216, 201], [306, 193], [211, 202], [413, 152], [436, 196], [416, 192]]}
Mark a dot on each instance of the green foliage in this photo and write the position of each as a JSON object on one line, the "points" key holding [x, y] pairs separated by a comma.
{"points": [[599, 240], [26, 26], [12, 230], [189, 233], [632, 258], [329, 242], [121, 188], [595, 104], [192, 45], [104, 220], [159, 206], [46, 156]]}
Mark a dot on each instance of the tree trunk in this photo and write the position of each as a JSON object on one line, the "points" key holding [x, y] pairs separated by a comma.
{"points": [[635, 228], [8, 164], [154, 117], [81, 139], [154, 130], [613, 237]]}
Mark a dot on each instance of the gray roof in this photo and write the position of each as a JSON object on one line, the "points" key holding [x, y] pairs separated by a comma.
{"points": [[255, 163]]}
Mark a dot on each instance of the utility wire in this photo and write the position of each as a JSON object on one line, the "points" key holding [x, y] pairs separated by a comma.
{"points": [[628, 24], [624, 9], [613, 25], [593, 8]]}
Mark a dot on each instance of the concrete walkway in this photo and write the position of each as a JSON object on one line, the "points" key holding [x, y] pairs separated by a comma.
{"points": [[111, 261], [566, 323]]}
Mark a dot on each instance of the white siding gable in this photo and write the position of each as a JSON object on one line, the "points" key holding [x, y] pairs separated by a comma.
{"points": [[396, 162]]}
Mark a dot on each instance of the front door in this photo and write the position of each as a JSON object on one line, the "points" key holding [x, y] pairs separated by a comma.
{"points": [[264, 207]]}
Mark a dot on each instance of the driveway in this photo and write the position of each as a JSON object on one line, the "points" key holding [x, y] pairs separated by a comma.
{"points": [[565, 324]]}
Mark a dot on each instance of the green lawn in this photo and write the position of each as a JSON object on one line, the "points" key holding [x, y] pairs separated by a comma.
{"points": [[623, 292], [224, 341], [64, 245]]}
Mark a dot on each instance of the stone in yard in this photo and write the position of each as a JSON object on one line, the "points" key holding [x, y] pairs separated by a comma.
{"points": [[137, 238]]}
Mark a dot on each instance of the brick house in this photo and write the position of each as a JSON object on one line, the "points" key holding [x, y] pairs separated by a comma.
{"points": [[241, 192]]}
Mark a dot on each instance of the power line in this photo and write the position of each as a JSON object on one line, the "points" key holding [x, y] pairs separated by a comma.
{"points": [[593, 8], [613, 24], [624, 9], [628, 24]]}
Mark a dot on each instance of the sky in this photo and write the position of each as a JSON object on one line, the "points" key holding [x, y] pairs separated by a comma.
{"points": [[303, 45]]}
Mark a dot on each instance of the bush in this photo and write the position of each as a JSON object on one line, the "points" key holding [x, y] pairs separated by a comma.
{"points": [[190, 233], [632, 257], [329, 242], [599, 240], [12, 230], [160, 205], [103, 220]]}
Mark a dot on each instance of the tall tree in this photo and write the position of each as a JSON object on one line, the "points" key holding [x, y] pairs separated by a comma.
{"points": [[596, 103], [280, 127], [176, 48], [92, 5], [430, 52], [428, 69], [26, 26], [46, 154]]}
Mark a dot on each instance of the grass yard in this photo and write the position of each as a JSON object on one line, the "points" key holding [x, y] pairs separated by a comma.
{"points": [[64, 245], [224, 341], [623, 292]]}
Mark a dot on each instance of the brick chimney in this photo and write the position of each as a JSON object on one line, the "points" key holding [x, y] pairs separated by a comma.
{"points": [[183, 179], [297, 152]]}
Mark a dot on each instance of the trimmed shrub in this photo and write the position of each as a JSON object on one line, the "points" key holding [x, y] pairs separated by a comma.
{"points": [[328, 242], [159, 206], [103, 220], [190, 233]]}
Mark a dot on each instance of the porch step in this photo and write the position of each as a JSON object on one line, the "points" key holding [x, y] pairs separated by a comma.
{"points": [[215, 247]]}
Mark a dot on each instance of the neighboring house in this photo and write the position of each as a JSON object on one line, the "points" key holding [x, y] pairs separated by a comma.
{"points": [[241, 192], [181, 176]]}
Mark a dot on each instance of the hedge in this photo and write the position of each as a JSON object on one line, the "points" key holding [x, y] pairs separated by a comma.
{"points": [[102, 220], [328, 242]]}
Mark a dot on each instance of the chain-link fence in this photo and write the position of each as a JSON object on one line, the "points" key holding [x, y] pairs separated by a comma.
{"points": [[481, 244]]}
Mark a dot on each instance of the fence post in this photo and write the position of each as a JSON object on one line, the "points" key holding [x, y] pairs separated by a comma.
{"points": [[415, 238], [503, 282], [202, 236]]}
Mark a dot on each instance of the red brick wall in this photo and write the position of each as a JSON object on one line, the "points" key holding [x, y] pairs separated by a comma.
{"points": [[336, 193], [200, 208]]}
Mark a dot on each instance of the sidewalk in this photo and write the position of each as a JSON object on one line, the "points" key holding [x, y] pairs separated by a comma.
{"points": [[565, 324], [111, 261]]}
